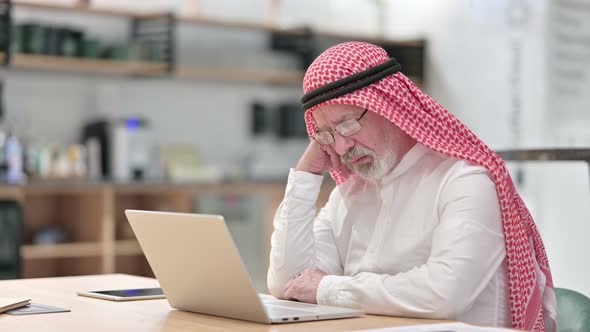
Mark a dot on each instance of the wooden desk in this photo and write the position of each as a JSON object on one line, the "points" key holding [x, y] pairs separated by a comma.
{"points": [[90, 314]]}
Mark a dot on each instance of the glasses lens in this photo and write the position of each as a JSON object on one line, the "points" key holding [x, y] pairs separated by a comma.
{"points": [[348, 128], [323, 137]]}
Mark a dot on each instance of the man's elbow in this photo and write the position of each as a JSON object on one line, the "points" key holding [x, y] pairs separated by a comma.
{"points": [[449, 310], [448, 306]]}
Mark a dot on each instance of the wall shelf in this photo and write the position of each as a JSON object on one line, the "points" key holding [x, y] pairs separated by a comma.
{"points": [[127, 247], [294, 77], [304, 39], [209, 21], [62, 250], [214, 22], [91, 66], [137, 68]]}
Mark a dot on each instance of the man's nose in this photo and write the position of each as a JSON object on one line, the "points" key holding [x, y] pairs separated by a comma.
{"points": [[342, 144]]}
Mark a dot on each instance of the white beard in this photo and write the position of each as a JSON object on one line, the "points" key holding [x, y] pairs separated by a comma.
{"points": [[371, 171]]}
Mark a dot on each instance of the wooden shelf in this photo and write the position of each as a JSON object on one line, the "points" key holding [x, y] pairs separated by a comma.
{"points": [[12, 192], [141, 68], [127, 247], [228, 24], [124, 68], [240, 75], [63, 250], [78, 65]]}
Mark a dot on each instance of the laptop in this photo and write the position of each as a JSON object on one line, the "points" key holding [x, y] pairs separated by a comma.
{"points": [[200, 270]]}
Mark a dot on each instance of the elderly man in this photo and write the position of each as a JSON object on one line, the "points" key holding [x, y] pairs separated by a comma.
{"points": [[425, 220]]}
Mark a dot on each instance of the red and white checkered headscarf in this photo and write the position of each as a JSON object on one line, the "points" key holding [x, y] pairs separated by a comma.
{"points": [[400, 101]]}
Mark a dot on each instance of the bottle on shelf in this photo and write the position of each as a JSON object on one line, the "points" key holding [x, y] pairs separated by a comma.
{"points": [[13, 153]]}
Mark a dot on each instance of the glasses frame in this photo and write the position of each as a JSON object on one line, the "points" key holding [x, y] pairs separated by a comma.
{"points": [[332, 139]]}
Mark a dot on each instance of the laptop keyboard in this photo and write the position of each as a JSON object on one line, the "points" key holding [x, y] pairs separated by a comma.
{"points": [[282, 308], [277, 311], [279, 308], [289, 304]]}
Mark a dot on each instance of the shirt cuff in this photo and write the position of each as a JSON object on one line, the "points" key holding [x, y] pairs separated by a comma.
{"points": [[304, 186], [329, 290]]}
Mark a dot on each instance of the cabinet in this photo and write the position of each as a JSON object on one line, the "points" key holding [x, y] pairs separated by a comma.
{"points": [[99, 239]]}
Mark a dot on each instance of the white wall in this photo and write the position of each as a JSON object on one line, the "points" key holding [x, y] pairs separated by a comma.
{"points": [[475, 71], [566, 192]]}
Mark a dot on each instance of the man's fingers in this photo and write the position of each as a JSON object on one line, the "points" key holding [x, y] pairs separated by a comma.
{"points": [[334, 161], [287, 287], [323, 147], [290, 293], [334, 158], [287, 294]]}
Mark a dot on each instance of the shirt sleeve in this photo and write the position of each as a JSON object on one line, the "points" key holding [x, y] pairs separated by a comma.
{"points": [[295, 223], [467, 250]]}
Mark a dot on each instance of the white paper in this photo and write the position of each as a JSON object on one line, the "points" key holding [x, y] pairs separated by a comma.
{"points": [[443, 327]]}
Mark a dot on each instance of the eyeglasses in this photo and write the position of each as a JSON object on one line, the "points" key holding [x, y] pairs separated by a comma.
{"points": [[346, 129]]}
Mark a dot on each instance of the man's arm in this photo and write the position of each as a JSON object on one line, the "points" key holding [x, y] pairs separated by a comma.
{"points": [[301, 240], [467, 250]]}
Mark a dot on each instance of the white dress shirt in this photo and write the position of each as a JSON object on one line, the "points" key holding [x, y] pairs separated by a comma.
{"points": [[425, 241]]}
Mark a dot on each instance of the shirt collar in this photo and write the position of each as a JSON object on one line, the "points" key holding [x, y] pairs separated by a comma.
{"points": [[408, 160]]}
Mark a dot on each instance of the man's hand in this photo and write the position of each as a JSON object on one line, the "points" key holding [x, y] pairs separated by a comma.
{"points": [[318, 158], [304, 286]]}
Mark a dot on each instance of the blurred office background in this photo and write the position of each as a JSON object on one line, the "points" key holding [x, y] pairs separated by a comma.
{"points": [[192, 105]]}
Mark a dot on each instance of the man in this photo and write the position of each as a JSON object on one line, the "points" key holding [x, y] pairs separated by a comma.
{"points": [[425, 220]]}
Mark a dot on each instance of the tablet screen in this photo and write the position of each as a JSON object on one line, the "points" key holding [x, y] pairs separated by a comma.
{"points": [[132, 292]]}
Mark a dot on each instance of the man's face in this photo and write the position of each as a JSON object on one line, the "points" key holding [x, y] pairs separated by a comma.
{"points": [[374, 150]]}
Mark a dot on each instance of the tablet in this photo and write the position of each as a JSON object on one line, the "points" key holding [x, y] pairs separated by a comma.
{"points": [[126, 294]]}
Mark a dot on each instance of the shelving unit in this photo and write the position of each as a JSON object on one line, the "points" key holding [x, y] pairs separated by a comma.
{"points": [[155, 28], [91, 66], [100, 239], [206, 21], [127, 247], [64, 250], [173, 70], [136, 68]]}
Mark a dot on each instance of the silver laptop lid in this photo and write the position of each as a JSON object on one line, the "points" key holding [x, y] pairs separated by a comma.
{"points": [[197, 264]]}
